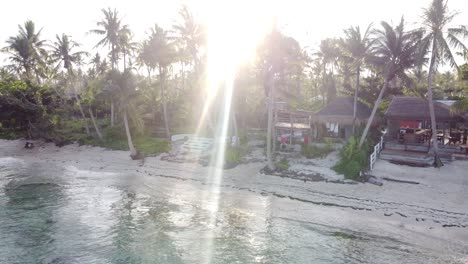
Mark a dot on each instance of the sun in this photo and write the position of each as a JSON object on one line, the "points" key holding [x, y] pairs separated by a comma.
{"points": [[234, 30]]}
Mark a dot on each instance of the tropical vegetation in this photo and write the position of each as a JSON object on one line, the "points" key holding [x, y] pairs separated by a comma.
{"points": [[134, 93]]}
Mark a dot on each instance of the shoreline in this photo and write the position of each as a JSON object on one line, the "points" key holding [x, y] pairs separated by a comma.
{"points": [[432, 214]]}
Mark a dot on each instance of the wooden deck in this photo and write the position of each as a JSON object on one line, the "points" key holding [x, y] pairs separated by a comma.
{"points": [[418, 154]]}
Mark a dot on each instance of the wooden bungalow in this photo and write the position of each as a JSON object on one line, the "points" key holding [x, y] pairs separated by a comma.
{"points": [[291, 125], [336, 119], [409, 121], [408, 137]]}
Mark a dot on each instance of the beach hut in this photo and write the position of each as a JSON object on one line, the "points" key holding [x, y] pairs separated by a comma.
{"points": [[409, 121], [291, 125], [336, 119]]}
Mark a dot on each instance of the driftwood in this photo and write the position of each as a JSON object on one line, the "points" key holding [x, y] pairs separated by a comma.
{"points": [[401, 181], [370, 179]]}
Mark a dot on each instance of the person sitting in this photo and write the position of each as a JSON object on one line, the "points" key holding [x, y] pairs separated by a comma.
{"points": [[29, 145]]}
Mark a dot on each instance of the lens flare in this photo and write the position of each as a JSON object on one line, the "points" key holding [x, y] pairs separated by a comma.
{"points": [[234, 30]]}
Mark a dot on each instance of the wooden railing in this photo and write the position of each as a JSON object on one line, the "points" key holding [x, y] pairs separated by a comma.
{"points": [[373, 157]]}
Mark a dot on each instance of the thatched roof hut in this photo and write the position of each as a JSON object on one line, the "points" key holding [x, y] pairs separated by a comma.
{"points": [[415, 108], [413, 112], [340, 111], [336, 119]]}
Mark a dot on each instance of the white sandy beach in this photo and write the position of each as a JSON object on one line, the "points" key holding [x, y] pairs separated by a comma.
{"points": [[432, 214]]}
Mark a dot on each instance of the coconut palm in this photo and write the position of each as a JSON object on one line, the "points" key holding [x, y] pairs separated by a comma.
{"points": [[395, 51], [328, 54], [63, 54], [111, 28], [357, 48], [272, 55], [125, 86], [439, 40], [158, 52], [65, 57], [27, 51], [99, 66], [126, 46], [190, 36]]}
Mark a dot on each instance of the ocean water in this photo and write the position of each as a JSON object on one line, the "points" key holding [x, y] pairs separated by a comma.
{"points": [[58, 214]]}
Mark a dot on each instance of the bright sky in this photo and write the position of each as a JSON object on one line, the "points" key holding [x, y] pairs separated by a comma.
{"points": [[306, 20]]}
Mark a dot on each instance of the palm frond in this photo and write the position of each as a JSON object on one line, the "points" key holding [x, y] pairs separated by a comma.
{"points": [[460, 106], [447, 53], [456, 42]]}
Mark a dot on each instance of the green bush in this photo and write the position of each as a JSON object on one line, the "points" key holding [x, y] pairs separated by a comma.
{"points": [[115, 139], [282, 165], [312, 151], [353, 160], [10, 134], [233, 155], [152, 146]]}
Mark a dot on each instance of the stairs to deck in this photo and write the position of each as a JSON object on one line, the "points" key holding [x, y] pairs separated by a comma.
{"points": [[419, 159], [417, 154], [197, 144]]}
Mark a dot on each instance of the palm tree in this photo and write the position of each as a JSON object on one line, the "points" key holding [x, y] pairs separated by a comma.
{"points": [[357, 48], [63, 54], [111, 28], [99, 66], [159, 52], [93, 86], [125, 85], [126, 46], [395, 51], [439, 39], [190, 36], [272, 62], [328, 53], [27, 51]]}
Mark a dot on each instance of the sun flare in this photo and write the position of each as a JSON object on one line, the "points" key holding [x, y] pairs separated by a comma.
{"points": [[234, 30]]}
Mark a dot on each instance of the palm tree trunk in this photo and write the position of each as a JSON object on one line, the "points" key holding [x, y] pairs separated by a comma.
{"points": [[270, 163], [85, 122], [437, 161], [374, 110], [112, 112], [153, 107], [355, 99], [324, 91], [94, 123], [182, 74], [273, 132], [132, 149], [234, 125], [125, 60], [164, 103], [113, 56]]}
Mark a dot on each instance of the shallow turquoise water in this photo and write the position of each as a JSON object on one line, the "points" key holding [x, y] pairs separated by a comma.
{"points": [[54, 214]]}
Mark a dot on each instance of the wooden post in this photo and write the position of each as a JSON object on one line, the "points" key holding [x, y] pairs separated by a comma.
{"points": [[274, 136], [292, 128]]}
